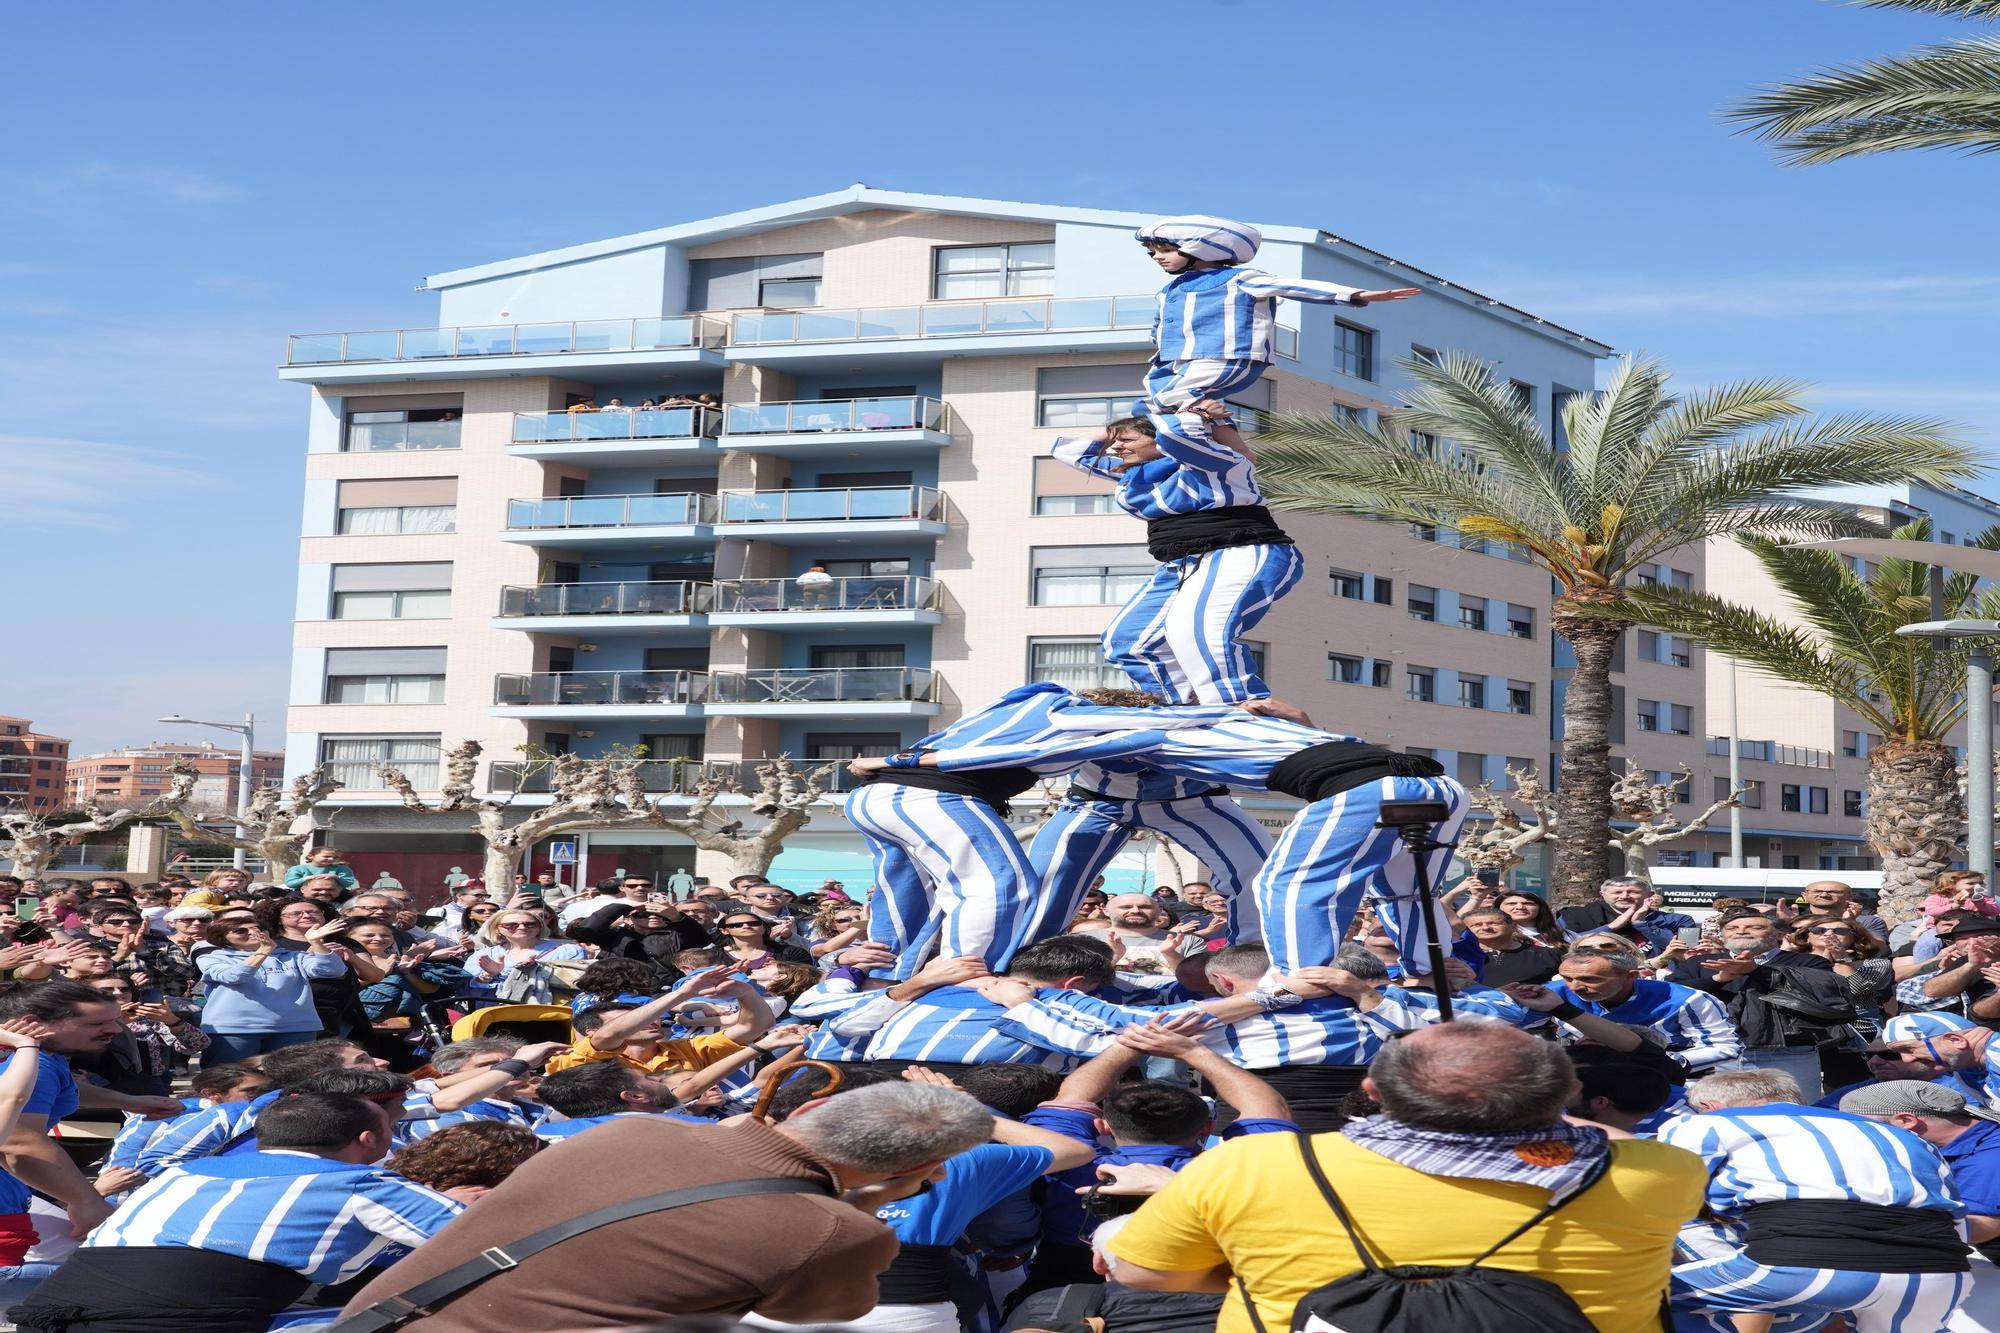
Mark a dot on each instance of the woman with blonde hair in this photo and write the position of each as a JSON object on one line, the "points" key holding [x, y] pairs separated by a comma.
{"points": [[512, 958]]}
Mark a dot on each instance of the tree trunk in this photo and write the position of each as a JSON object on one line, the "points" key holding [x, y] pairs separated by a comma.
{"points": [[32, 853], [1915, 816], [499, 876], [1583, 793]]}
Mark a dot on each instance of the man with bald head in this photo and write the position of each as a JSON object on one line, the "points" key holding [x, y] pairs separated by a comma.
{"points": [[1471, 1143], [1142, 927]]}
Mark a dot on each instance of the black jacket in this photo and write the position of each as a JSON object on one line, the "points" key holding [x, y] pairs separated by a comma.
{"points": [[1744, 996], [657, 947]]}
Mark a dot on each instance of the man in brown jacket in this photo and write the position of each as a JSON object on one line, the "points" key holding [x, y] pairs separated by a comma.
{"points": [[801, 1258]]}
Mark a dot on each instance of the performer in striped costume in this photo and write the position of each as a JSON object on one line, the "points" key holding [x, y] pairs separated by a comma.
{"points": [[1822, 1214]]}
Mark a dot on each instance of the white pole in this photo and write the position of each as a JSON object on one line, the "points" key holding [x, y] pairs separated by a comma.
{"points": [[1735, 776], [243, 787]]}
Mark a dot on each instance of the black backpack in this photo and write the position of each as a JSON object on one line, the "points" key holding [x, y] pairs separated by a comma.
{"points": [[1411, 1298]]}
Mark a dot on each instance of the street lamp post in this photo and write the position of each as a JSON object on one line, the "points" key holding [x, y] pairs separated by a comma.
{"points": [[247, 728], [1978, 730]]}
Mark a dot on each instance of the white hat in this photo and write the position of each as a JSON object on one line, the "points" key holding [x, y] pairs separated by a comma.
{"points": [[1211, 240]]}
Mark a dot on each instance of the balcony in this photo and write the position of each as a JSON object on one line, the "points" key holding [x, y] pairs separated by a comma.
{"points": [[781, 604], [898, 691], [606, 694], [670, 777], [609, 520], [503, 349], [837, 427], [604, 608], [1009, 327], [609, 437], [811, 516]]}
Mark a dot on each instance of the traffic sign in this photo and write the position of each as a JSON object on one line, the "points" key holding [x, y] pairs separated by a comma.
{"points": [[562, 853]]}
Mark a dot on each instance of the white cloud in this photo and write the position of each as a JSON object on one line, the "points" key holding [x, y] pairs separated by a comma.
{"points": [[1711, 297], [54, 482], [81, 182]]}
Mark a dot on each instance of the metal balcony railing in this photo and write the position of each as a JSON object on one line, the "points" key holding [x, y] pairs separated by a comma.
{"points": [[899, 593], [601, 687], [606, 599], [669, 776], [947, 319], [834, 414], [832, 685], [610, 511], [808, 506], [596, 335], [616, 423]]}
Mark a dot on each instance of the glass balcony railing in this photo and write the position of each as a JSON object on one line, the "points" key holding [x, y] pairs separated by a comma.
{"points": [[601, 687], [610, 511], [671, 776], [811, 506], [835, 414], [597, 335], [606, 599], [834, 685], [947, 319], [845, 594], [651, 423]]}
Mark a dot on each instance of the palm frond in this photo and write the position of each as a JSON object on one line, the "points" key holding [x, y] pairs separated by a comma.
{"points": [[1977, 11], [1944, 96], [1706, 418], [1459, 398], [1610, 422], [1793, 520], [1830, 600]]}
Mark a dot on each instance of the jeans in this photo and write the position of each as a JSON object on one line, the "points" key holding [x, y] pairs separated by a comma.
{"points": [[18, 1282], [228, 1048], [1801, 1062]]}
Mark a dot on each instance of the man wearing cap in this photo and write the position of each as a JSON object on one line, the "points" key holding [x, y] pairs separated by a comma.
{"points": [[1965, 1135], [1937, 1048]]}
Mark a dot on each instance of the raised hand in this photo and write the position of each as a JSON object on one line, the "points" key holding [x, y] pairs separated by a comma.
{"points": [[1390, 294], [958, 971], [24, 1031], [1168, 1038], [1278, 708], [1129, 1178], [785, 1036], [490, 965], [540, 1053], [919, 1074]]}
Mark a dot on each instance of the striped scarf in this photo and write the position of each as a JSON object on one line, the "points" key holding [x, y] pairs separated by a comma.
{"points": [[1559, 1158]]}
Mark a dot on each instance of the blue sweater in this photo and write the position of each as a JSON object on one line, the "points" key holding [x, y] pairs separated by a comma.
{"points": [[298, 875], [276, 996]]}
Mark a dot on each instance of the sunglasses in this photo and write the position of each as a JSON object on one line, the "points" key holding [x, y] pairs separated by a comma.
{"points": [[741, 925], [520, 925], [241, 930], [1828, 930]]}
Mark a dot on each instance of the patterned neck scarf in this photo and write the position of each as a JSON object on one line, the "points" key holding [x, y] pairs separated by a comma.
{"points": [[1559, 1158]]}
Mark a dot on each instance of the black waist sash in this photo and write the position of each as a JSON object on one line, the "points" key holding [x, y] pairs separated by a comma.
{"points": [[1076, 793], [918, 1275], [1178, 535], [993, 786], [1859, 1237], [1320, 771], [159, 1290]]}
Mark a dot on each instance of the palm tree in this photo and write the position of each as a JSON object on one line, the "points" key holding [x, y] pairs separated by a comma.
{"points": [[1839, 639], [1944, 96], [1642, 474]]}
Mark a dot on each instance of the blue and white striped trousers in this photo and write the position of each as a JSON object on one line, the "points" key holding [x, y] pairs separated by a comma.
{"points": [[1180, 636], [1072, 849], [951, 879], [1331, 856], [1705, 1293], [1171, 386]]}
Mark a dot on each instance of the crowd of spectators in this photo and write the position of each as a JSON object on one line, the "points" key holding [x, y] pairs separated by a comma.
{"points": [[1133, 1122]]}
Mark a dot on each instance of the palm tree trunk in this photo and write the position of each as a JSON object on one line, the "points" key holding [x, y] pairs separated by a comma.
{"points": [[1583, 793], [1915, 816]]}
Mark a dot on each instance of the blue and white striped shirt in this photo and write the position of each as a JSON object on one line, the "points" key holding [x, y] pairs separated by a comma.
{"points": [[1193, 476], [1693, 1023], [202, 1133], [421, 1119], [323, 1219], [836, 995], [950, 1025], [1328, 1031], [1132, 780], [1472, 1001], [1227, 314], [140, 1134], [1049, 729], [1768, 1154]]}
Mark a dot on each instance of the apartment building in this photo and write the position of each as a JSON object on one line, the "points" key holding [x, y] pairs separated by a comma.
{"points": [[887, 370], [33, 767], [137, 774]]}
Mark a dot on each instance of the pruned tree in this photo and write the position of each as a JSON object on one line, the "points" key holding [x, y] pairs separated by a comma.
{"points": [[278, 827], [34, 839], [1647, 806], [609, 791]]}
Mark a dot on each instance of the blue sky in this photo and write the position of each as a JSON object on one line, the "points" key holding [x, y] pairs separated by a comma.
{"points": [[202, 181]]}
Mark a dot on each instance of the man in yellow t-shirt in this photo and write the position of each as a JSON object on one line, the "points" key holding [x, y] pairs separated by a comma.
{"points": [[632, 1032], [1249, 1209]]}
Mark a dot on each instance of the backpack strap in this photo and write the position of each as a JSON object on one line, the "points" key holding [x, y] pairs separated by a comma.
{"points": [[1325, 1188], [393, 1311], [1548, 1210]]}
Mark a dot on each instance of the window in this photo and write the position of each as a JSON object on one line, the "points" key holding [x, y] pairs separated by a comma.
{"points": [[1353, 350], [1471, 691], [1087, 575], [1343, 584], [1378, 674], [354, 759], [1678, 652], [1523, 395], [385, 689], [1649, 715], [1385, 591], [401, 519], [1683, 786], [1424, 532], [1520, 621], [1850, 804], [1520, 697], [392, 592], [152, 768], [1753, 792], [1422, 602], [411, 428], [1850, 744], [787, 293], [1471, 614], [1085, 397], [882, 567], [1343, 670], [1427, 355], [753, 280], [1471, 768], [1420, 685], [1424, 444], [843, 745], [1815, 800], [858, 657], [385, 675], [964, 271], [397, 505], [1075, 663], [1680, 579], [673, 745], [1788, 798], [1649, 645], [1060, 489]]}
